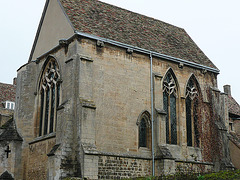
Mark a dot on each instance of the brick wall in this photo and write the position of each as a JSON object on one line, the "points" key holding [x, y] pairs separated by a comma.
{"points": [[119, 167]]}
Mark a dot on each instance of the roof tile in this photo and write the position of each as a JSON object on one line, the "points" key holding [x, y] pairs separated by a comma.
{"points": [[108, 21], [233, 106], [7, 93]]}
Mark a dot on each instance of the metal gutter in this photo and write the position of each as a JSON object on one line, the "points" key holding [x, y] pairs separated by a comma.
{"points": [[145, 51]]}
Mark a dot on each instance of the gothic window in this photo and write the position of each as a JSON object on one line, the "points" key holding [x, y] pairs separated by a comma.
{"points": [[192, 105], [49, 97], [143, 133], [169, 104], [144, 130]]}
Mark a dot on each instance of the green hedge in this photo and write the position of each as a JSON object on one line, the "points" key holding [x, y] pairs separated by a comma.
{"points": [[222, 175]]}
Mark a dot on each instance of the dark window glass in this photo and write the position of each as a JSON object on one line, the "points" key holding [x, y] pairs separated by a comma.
{"points": [[173, 119], [52, 109], [41, 112], [143, 133], [50, 85], [169, 106], [189, 121], [46, 112], [58, 93], [165, 106], [195, 114], [192, 100]]}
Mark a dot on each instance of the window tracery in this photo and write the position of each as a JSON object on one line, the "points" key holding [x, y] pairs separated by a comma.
{"points": [[49, 97], [192, 105], [169, 104]]}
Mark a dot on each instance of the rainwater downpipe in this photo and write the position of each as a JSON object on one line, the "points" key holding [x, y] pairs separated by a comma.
{"points": [[151, 76]]}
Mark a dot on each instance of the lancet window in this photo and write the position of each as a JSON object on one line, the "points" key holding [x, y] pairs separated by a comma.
{"points": [[49, 97], [144, 130], [192, 108], [169, 104]]}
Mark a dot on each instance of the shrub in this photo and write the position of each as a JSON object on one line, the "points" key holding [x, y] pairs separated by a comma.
{"points": [[181, 175], [222, 175]]}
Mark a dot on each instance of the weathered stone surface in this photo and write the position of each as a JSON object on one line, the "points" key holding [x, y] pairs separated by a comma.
{"points": [[120, 167], [103, 92]]}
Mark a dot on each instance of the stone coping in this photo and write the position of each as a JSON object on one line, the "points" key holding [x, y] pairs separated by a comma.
{"points": [[123, 155], [42, 138], [194, 162]]}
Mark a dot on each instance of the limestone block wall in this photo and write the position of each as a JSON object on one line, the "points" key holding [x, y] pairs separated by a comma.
{"points": [[111, 167], [103, 92], [38, 159], [121, 91], [27, 115], [194, 167], [234, 153]]}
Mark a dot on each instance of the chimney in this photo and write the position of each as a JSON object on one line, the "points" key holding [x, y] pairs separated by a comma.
{"points": [[227, 89], [15, 81]]}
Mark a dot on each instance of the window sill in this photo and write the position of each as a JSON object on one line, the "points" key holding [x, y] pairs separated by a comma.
{"points": [[144, 151], [42, 138], [194, 148]]}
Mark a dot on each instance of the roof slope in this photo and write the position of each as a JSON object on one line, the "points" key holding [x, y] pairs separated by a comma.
{"points": [[7, 93], [233, 106], [9, 132], [108, 21]]}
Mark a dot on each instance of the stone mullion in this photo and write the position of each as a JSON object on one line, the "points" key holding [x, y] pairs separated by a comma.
{"points": [[44, 111], [49, 109]]}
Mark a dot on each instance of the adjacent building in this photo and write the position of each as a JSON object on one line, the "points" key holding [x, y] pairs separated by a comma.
{"points": [[7, 101], [233, 126], [10, 140]]}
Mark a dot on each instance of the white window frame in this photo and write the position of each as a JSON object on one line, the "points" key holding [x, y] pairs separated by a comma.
{"points": [[10, 105]]}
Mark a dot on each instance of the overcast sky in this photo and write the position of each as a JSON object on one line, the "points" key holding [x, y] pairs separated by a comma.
{"points": [[213, 24]]}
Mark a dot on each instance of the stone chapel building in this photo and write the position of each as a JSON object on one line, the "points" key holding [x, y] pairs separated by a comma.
{"points": [[100, 81]]}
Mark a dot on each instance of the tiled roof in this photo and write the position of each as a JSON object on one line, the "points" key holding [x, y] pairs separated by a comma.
{"points": [[235, 138], [9, 132], [111, 22], [233, 106], [7, 93]]}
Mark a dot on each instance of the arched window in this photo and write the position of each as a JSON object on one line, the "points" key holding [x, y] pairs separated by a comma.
{"points": [[192, 106], [169, 105], [49, 97], [143, 133], [144, 130]]}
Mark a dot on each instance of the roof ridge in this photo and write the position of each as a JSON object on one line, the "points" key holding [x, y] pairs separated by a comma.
{"points": [[7, 84]]}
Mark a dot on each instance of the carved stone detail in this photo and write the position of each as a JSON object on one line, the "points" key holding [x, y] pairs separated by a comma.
{"points": [[169, 85]]}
